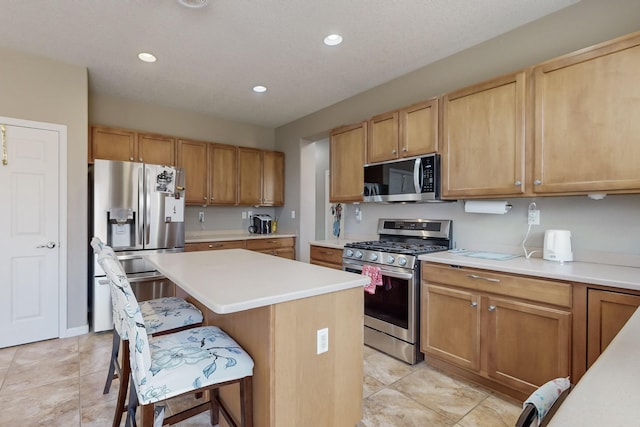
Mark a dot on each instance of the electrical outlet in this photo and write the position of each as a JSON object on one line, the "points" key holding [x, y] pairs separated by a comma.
{"points": [[244, 215], [293, 214], [249, 214], [201, 216], [322, 339], [534, 217]]}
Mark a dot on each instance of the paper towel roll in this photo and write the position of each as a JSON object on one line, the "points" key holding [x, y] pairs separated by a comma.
{"points": [[487, 206]]}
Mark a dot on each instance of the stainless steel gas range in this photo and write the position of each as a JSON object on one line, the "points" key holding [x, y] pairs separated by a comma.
{"points": [[392, 311]]}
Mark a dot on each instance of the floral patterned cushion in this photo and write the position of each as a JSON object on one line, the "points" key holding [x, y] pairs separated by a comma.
{"points": [[187, 360], [163, 314]]}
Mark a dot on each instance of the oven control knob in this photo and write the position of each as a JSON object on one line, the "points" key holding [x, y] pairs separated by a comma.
{"points": [[373, 257], [390, 259], [402, 261], [358, 254], [349, 253]]}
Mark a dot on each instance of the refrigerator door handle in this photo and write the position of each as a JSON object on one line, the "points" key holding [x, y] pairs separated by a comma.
{"points": [[147, 201], [140, 220]]}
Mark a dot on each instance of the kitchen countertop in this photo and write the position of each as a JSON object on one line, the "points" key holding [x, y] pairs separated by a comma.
{"points": [[332, 243], [217, 236], [232, 280], [596, 274], [607, 394]]}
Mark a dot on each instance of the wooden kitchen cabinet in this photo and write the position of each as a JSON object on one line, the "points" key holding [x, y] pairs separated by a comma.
{"points": [[326, 257], [192, 156], [409, 132], [346, 163], [483, 139], [222, 173], [607, 312], [260, 177], [279, 246], [131, 146], [586, 116], [506, 331], [215, 245]]}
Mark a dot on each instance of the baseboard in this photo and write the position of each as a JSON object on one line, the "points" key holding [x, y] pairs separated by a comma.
{"points": [[72, 332]]}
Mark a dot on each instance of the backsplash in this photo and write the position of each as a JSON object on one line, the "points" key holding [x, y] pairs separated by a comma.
{"points": [[604, 231], [221, 217]]}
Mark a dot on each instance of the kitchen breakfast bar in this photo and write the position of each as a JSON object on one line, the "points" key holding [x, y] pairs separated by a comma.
{"points": [[274, 308]]}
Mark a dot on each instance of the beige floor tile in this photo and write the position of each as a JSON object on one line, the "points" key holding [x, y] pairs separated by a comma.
{"points": [[95, 360], [54, 404], [45, 351], [494, 411], [28, 376], [6, 356], [99, 414], [93, 340], [92, 386], [441, 393], [370, 386], [385, 369], [390, 408], [3, 374]]}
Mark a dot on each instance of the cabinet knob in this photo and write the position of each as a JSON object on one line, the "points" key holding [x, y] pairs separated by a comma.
{"points": [[404, 149], [537, 182], [131, 158], [204, 198], [474, 304], [140, 159], [394, 151], [492, 308], [518, 183]]}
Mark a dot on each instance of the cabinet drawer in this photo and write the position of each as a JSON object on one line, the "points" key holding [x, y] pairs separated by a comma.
{"points": [[270, 243], [329, 255], [212, 246], [540, 290]]}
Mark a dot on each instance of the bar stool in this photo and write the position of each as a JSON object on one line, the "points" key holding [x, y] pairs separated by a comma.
{"points": [[160, 316], [191, 361]]}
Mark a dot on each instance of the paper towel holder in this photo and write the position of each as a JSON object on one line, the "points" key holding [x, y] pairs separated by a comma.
{"points": [[487, 206]]}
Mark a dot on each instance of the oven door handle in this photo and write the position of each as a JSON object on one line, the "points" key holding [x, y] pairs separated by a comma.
{"points": [[384, 271]]}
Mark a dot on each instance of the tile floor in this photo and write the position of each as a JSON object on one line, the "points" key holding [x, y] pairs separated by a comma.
{"points": [[59, 383]]}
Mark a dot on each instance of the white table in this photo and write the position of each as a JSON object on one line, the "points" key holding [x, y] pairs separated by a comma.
{"points": [[274, 308]]}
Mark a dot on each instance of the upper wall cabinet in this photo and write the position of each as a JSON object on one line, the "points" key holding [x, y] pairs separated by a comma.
{"points": [[131, 146], [346, 163], [409, 132], [222, 173], [192, 157], [260, 177], [587, 126], [483, 139]]}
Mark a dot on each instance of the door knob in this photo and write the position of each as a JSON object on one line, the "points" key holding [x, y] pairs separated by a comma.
{"points": [[49, 245]]}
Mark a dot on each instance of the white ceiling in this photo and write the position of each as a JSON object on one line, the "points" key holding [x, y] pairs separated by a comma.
{"points": [[209, 59]]}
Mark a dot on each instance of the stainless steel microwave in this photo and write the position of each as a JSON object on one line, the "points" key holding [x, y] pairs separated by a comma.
{"points": [[403, 181]]}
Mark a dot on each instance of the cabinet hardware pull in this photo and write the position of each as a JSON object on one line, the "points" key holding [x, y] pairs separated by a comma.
{"points": [[518, 183], [394, 151], [5, 158], [492, 308], [131, 158], [488, 279], [537, 182], [474, 304], [404, 149], [215, 245]]}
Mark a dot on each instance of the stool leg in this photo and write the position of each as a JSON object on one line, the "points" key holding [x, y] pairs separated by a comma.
{"points": [[125, 374], [115, 346], [246, 402], [214, 410], [132, 405]]}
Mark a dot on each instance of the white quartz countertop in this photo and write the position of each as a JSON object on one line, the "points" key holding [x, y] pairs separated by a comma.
{"points": [[218, 236], [232, 280], [596, 274], [607, 395]]}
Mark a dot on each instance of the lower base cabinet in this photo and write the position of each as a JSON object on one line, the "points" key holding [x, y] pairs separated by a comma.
{"points": [[279, 246], [505, 331], [326, 257]]}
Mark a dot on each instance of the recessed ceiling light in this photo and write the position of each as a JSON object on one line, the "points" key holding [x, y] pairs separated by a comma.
{"points": [[146, 57], [333, 40], [194, 4], [259, 89]]}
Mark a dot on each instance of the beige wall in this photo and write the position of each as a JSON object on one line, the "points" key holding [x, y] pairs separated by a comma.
{"points": [[38, 89], [118, 112], [584, 24]]}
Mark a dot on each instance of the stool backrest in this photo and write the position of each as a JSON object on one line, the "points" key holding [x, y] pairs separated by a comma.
{"points": [[103, 251], [126, 305]]}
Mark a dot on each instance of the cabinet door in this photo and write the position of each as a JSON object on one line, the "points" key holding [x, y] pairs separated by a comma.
{"points": [[528, 344], [346, 163], [483, 139], [451, 325], [382, 142], [223, 178], [586, 116], [249, 176], [272, 178], [192, 156], [214, 246], [419, 129], [607, 313], [328, 257], [156, 149], [113, 144]]}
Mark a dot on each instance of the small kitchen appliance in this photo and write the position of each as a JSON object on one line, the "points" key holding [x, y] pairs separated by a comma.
{"points": [[391, 313], [261, 224], [557, 246]]}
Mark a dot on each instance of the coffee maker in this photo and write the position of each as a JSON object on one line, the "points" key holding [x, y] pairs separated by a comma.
{"points": [[261, 224]]}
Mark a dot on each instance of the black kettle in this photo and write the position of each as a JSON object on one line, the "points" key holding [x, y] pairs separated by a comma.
{"points": [[261, 224]]}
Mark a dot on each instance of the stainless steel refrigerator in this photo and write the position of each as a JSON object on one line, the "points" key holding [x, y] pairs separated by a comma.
{"points": [[137, 209]]}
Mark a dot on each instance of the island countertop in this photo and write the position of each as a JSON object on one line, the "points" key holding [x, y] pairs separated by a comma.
{"points": [[232, 280]]}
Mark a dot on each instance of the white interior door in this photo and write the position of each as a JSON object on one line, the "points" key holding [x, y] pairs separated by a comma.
{"points": [[29, 235]]}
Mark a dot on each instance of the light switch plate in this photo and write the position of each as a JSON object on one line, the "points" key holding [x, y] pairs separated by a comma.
{"points": [[322, 340]]}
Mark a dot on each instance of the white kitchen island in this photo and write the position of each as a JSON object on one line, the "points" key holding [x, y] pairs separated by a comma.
{"points": [[274, 308]]}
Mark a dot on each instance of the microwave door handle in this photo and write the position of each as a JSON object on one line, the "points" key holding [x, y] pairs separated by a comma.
{"points": [[417, 176]]}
